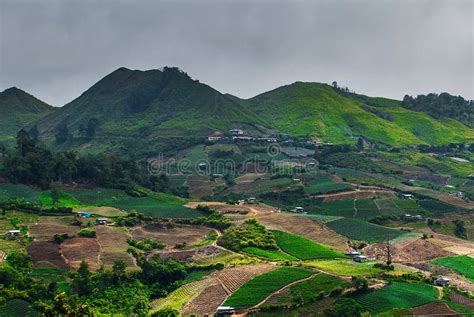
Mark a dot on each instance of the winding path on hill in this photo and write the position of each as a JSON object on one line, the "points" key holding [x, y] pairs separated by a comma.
{"points": [[282, 289]]}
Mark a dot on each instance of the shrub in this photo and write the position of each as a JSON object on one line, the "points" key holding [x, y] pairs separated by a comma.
{"points": [[87, 233], [344, 307], [59, 238], [249, 234], [145, 245]]}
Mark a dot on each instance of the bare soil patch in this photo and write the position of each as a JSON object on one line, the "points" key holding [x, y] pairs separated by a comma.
{"points": [[456, 201], [247, 185], [305, 227], [410, 250], [453, 244], [436, 308], [47, 227], [107, 211], [189, 255], [113, 242], [46, 254], [199, 186], [232, 278], [171, 236], [462, 300], [207, 302], [78, 248], [358, 194], [248, 178]]}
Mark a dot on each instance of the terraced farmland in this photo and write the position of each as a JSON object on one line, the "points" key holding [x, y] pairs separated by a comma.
{"points": [[233, 278], [303, 248], [462, 264], [366, 209], [182, 295], [398, 295], [258, 288], [361, 230]]}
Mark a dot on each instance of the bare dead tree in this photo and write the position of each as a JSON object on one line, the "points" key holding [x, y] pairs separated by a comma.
{"points": [[389, 252]]}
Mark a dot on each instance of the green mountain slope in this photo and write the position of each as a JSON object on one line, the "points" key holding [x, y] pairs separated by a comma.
{"points": [[320, 111], [18, 109], [146, 109]]}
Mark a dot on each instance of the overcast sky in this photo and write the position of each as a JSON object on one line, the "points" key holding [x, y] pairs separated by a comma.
{"points": [[57, 49]]}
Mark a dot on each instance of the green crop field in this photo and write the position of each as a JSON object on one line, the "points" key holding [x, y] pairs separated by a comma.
{"points": [[156, 204], [64, 199], [321, 283], [272, 184], [322, 218], [255, 290], [409, 206], [342, 208], [13, 219], [438, 207], [345, 267], [361, 230], [366, 209], [398, 295], [49, 274], [28, 193], [302, 248], [388, 207], [307, 291], [17, 307], [269, 254], [323, 184], [463, 264]]}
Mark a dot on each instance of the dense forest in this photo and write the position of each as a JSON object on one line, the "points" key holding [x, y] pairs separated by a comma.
{"points": [[33, 164], [442, 106]]}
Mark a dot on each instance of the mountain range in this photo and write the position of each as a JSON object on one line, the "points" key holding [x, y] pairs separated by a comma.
{"points": [[155, 110]]}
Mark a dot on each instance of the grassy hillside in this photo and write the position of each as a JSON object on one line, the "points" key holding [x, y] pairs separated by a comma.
{"points": [[144, 110], [320, 111], [18, 110]]}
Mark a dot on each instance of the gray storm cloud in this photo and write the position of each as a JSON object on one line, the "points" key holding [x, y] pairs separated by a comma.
{"points": [[57, 49]]}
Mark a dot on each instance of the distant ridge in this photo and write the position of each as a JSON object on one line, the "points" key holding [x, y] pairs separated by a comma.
{"points": [[19, 109], [165, 110]]}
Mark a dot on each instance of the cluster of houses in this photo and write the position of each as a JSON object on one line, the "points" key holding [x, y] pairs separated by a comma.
{"points": [[408, 217], [356, 256], [442, 281], [98, 221], [242, 135], [407, 196], [239, 135], [299, 210], [12, 234]]}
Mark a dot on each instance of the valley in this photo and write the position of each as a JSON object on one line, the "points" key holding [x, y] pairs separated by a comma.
{"points": [[154, 194]]}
